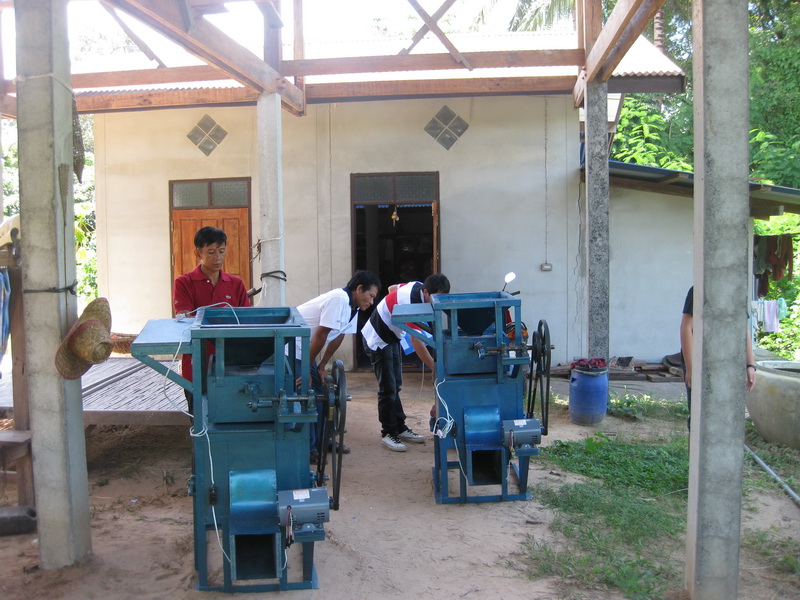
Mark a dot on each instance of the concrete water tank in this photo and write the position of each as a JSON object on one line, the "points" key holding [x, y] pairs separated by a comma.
{"points": [[774, 403]]}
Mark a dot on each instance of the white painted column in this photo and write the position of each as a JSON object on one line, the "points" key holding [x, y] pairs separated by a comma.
{"points": [[270, 200], [47, 233], [721, 275]]}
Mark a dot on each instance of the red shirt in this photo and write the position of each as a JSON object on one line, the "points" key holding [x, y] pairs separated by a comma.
{"points": [[194, 290]]}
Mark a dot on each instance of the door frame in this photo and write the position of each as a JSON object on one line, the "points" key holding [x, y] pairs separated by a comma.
{"points": [[240, 212]]}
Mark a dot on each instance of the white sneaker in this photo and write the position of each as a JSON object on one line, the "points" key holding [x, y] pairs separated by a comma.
{"points": [[410, 436], [392, 442]]}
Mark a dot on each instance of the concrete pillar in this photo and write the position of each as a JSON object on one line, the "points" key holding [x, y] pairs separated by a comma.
{"points": [[47, 232], [721, 273], [270, 199], [327, 278], [597, 205]]}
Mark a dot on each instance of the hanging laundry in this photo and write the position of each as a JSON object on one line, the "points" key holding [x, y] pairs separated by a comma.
{"points": [[773, 259], [760, 263], [771, 322], [783, 310], [757, 308]]}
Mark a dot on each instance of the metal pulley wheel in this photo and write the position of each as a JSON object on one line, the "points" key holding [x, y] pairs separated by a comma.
{"points": [[539, 374], [333, 425]]}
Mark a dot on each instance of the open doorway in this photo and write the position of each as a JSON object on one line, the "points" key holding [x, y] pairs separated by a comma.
{"points": [[395, 233]]}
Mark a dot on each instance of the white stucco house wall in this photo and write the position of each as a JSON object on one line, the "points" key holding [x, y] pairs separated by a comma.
{"points": [[510, 199]]}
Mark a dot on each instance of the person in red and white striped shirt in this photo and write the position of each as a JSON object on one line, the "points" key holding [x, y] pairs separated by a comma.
{"points": [[382, 345]]}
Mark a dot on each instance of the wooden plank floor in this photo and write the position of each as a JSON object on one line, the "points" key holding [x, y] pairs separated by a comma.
{"points": [[119, 391]]}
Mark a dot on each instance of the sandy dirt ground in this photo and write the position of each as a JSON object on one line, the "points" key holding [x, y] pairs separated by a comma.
{"points": [[388, 540]]}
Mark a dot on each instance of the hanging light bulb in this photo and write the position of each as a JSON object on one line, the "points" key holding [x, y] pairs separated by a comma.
{"points": [[395, 216]]}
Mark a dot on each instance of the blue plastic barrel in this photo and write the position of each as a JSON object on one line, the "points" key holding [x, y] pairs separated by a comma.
{"points": [[588, 396]]}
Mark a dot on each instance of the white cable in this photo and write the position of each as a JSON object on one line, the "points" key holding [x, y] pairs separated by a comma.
{"points": [[175, 360], [213, 507], [444, 431], [204, 431]]}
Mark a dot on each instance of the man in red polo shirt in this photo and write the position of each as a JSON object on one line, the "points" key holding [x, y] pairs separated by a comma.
{"points": [[207, 285]]}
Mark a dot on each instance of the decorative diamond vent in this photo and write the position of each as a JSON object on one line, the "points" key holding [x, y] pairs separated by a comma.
{"points": [[207, 135], [446, 127]]}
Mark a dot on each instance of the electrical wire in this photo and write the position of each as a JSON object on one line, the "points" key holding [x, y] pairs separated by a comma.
{"points": [[443, 432], [204, 431]]}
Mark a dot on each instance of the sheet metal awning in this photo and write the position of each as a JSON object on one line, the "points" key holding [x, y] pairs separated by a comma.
{"points": [[765, 200]]}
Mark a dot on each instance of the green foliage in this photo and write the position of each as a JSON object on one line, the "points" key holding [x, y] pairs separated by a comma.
{"points": [[775, 160], [786, 342], [10, 168], [83, 195], [86, 250], [645, 137]]}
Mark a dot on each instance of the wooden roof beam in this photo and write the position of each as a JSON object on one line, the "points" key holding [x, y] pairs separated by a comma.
{"points": [[323, 66], [208, 7], [128, 101], [626, 23], [213, 46], [432, 62], [372, 90], [318, 93], [8, 106]]}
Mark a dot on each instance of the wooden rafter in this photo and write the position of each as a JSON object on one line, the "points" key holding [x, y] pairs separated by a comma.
{"points": [[228, 60], [625, 24], [140, 43], [426, 18], [440, 12], [212, 46], [208, 7]]}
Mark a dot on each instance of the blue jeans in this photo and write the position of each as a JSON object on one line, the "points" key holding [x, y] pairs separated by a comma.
{"points": [[388, 366]]}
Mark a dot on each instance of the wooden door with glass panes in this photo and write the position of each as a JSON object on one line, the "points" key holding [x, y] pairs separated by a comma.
{"points": [[220, 203]]}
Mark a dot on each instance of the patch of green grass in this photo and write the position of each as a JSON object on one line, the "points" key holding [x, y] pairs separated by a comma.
{"points": [[614, 538], [622, 528], [638, 406], [784, 461], [780, 552], [654, 468]]}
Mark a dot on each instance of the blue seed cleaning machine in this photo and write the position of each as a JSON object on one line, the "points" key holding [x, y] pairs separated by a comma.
{"points": [[254, 491], [482, 420]]}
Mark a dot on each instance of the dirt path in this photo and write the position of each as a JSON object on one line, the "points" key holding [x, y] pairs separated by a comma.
{"points": [[389, 539]]}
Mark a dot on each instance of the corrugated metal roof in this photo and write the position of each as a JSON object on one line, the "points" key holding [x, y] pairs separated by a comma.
{"points": [[764, 198], [644, 59]]}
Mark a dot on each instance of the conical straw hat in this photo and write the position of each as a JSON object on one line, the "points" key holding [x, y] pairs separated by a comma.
{"points": [[88, 342]]}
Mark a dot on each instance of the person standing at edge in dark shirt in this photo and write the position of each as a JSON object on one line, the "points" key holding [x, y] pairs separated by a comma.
{"points": [[687, 337], [207, 285]]}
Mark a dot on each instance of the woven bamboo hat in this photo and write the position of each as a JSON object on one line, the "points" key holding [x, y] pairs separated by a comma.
{"points": [[88, 341]]}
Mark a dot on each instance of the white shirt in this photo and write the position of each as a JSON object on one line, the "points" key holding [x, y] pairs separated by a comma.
{"points": [[331, 309]]}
